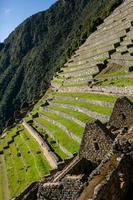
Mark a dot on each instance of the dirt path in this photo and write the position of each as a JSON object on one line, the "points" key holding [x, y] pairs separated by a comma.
{"points": [[50, 158], [5, 187]]}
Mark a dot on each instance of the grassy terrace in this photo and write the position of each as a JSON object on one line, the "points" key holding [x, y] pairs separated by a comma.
{"points": [[21, 163], [91, 107], [75, 70], [60, 135], [114, 70], [115, 73], [122, 82], [75, 84], [80, 116], [100, 97], [50, 141], [69, 124]]}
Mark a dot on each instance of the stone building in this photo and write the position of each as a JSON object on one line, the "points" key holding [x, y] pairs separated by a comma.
{"points": [[122, 115], [96, 139]]}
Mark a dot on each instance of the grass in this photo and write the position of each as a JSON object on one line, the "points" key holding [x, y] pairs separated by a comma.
{"points": [[122, 82], [91, 107], [75, 70], [80, 116], [100, 97], [69, 124], [25, 168], [4, 189], [54, 146], [60, 136], [76, 84], [113, 70], [1, 180]]}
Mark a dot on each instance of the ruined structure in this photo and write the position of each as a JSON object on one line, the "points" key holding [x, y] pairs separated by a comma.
{"points": [[103, 168], [122, 115]]}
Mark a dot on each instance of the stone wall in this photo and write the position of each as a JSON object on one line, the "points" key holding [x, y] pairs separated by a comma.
{"points": [[103, 168], [68, 188], [30, 193], [111, 179], [96, 142]]}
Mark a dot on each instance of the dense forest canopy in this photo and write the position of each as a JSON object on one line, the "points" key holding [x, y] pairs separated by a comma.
{"points": [[38, 47]]}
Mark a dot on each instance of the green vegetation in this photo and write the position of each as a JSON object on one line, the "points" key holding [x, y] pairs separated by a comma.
{"points": [[76, 84], [114, 70], [65, 140], [121, 82], [69, 124], [91, 107], [81, 116], [32, 54], [22, 161], [100, 97], [52, 143]]}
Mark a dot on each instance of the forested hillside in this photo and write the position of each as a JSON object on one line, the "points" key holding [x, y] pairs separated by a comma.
{"points": [[41, 45]]}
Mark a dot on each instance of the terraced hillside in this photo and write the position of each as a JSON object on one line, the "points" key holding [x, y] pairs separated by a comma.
{"points": [[21, 161], [84, 89]]}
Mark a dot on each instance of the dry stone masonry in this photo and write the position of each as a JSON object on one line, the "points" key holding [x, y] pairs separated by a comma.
{"points": [[103, 168]]}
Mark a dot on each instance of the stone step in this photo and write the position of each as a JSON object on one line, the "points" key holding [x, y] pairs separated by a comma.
{"points": [[71, 69], [121, 48], [78, 80], [84, 83], [120, 16], [84, 48], [92, 62], [126, 42], [130, 50], [86, 62], [122, 62], [115, 24], [109, 32], [121, 9], [98, 50], [114, 39], [83, 72], [125, 57]]}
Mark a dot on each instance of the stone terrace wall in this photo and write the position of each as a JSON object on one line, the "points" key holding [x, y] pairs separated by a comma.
{"points": [[68, 188], [30, 193]]}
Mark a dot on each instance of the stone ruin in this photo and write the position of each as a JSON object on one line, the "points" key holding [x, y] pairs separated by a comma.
{"points": [[102, 170]]}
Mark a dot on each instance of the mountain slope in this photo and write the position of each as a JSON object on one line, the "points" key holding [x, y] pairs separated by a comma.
{"points": [[40, 45]]}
